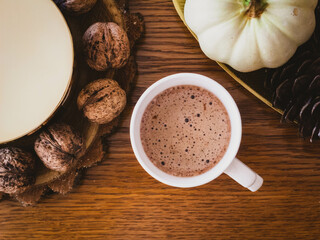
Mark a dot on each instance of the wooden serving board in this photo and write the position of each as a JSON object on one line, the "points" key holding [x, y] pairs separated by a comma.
{"points": [[253, 81], [94, 134]]}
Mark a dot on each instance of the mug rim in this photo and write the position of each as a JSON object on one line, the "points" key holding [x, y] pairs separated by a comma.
{"points": [[186, 79]]}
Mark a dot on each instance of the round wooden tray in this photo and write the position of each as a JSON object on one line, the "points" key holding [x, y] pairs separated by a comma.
{"points": [[103, 11]]}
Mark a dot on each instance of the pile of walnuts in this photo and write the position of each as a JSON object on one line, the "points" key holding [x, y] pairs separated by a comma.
{"points": [[58, 146]]}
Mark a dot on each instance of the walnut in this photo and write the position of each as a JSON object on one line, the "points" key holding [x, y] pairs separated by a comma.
{"points": [[76, 6], [102, 100], [58, 146], [106, 45], [16, 170]]}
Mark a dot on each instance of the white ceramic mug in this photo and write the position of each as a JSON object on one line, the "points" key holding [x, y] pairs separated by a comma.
{"points": [[229, 164]]}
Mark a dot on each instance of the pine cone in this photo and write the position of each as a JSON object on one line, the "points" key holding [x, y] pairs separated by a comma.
{"points": [[296, 86]]}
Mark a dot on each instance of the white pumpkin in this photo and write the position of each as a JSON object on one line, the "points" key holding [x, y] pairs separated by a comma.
{"points": [[251, 34]]}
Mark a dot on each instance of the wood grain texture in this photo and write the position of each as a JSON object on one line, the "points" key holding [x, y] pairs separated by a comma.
{"points": [[118, 200]]}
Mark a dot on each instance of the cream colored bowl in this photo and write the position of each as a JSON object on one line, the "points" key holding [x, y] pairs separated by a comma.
{"points": [[36, 62]]}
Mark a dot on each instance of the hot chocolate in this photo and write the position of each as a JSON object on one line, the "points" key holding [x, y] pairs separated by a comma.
{"points": [[185, 130]]}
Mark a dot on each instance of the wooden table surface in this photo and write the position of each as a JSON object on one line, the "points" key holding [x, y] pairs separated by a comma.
{"points": [[118, 200]]}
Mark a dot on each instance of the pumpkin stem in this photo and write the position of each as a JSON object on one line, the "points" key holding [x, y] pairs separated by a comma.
{"points": [[255, 8]]}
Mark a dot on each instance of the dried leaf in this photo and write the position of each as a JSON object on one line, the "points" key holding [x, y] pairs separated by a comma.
{"points": [[65, 184], [31, 196], [135, 26], [126, 75], [93, 156], [109, 128]]}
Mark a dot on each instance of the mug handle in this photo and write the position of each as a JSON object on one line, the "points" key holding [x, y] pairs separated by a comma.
{"points": [[244, 175]]}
